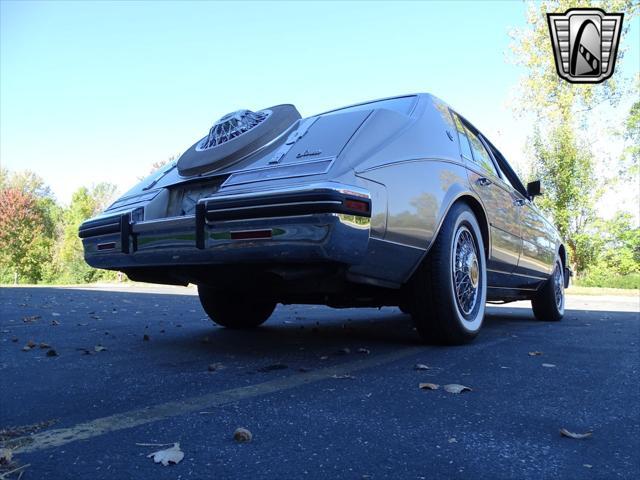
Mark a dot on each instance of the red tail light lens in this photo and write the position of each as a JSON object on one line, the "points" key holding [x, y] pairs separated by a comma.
{"points": [[357, 205]]}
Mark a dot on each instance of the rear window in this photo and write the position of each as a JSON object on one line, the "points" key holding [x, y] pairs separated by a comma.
{"points": [[402, 105]]}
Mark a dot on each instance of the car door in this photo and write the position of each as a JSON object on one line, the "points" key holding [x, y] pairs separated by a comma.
{"points": [[498, 200], [538, 245], [538, 235]]}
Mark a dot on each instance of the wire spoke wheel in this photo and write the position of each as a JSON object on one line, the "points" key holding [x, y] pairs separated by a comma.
{"points": [[558, 288], [465, 270]]}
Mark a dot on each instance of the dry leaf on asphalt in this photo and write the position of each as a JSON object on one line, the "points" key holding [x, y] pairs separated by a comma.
{"points": [[456, 388], [342, 377], [5, 456], [428, 386], [577, 436], [535, 354], [242, 435], [31, 318], [214, 367], [548, 365], [421, 366], [99, 348], [167, 456]]}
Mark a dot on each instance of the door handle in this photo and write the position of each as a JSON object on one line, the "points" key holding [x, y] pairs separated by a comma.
{"points": [[519, 202], [483, 182]]}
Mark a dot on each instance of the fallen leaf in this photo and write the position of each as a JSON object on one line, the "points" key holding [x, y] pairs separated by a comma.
{"points": [[52, 353], [99, 348], [577, 436], [31, 318], [242, 435], [535, 354], [456, 388], [269, 368], [167, 456], [341, 377], [146, 337], [428, 386], [548, 365], [366, 351], [5, 456], [421, 366]]}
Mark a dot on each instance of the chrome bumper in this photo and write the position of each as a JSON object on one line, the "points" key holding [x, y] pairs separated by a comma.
{"points": [[308, 225]]}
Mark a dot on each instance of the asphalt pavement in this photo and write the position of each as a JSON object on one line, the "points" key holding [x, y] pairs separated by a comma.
{"points": [[326, 393]]}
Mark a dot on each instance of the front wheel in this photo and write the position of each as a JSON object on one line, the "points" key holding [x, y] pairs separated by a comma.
{"points": [[234, 310], [450, 288], [548, 304]]}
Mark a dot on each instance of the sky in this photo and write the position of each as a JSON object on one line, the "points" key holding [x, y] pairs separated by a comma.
{"points": [[99, 91]]}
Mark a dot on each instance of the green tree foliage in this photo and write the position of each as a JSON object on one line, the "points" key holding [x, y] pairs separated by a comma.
{"points": [[631, 133], [563, 159], [565, 166], [85, 203]]}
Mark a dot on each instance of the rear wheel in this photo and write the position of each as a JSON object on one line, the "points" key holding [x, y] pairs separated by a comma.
{"points": [[548, 304], [234, 310], [450, 287]]}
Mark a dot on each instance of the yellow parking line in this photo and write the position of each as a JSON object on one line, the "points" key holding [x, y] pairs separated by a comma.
{"points": [[133, 418]]}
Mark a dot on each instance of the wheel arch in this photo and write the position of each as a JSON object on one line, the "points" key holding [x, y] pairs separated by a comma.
{"points": [[562, 252], [481, 216], [468, 198]]}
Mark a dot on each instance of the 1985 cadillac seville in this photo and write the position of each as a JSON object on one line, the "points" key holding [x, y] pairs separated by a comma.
{"points": [[400, 201]]}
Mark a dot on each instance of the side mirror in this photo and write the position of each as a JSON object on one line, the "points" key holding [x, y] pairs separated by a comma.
{"points": [[534, 189]]}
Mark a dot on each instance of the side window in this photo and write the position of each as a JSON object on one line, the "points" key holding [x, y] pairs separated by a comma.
{"points": [[462, 136], [480, 154]]}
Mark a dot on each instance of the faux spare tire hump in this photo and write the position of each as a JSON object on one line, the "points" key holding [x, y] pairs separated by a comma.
{"points": [[195, 161]]}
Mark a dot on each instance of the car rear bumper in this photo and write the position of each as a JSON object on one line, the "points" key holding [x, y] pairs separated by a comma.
{"points": [[327, 223]]}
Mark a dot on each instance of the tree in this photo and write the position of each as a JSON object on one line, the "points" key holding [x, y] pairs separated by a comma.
{"points": [[85, 203], [25, 249], [631, 157], [558, 109]]}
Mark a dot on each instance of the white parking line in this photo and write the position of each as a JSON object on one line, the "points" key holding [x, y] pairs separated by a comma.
{"points": [[133, 418]]}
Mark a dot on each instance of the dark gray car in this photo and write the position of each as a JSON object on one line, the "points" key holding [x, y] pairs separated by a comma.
{"points": [[399, 201]]}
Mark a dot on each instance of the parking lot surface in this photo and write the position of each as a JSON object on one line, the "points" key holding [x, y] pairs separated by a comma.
{"points": [[326, 393]]}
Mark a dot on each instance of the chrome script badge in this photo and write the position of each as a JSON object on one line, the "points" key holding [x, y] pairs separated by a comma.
{"points": [[585, 43]]}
